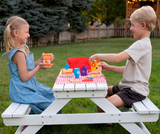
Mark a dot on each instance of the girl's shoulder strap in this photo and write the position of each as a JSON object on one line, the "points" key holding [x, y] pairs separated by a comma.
{"points": [[12, 52], [26, 47]]}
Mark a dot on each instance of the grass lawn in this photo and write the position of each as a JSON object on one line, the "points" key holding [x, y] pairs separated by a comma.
{"points": [[82, 49]]}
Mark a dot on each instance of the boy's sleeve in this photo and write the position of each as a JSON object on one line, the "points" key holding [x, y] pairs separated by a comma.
{"points": [[134, 51]]}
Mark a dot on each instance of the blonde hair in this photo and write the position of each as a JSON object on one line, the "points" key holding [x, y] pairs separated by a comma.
{"points": [[13, 23], [145, 14]]}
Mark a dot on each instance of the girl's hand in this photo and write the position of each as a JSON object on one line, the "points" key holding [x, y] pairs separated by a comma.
{"points": [[52, 56], [41, 59], [104, 65], [42, 66]]}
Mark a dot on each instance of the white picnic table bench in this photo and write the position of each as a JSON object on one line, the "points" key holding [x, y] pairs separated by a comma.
{"points": [[143, 111]]}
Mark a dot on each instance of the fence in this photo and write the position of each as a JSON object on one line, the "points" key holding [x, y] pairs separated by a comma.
{"points": [[92, 33]]}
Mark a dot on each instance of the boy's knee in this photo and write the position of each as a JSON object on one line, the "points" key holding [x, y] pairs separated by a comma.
{"points": [[110, 92]]}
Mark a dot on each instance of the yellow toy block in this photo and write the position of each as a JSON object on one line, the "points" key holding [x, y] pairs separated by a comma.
{"points": [[93, 65]]}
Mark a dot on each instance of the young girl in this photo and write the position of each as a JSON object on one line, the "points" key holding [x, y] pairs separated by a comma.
{"points": [[134, 85], [24, 87]]}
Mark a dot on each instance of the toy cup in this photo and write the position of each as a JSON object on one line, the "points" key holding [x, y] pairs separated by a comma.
{"points": [[76, 73], [47, 59]]}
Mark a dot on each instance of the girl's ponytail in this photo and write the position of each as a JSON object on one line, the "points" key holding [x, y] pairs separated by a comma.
{"points": [[12, 23], [7, 36]]}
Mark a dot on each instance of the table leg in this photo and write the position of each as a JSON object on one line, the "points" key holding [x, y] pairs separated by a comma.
{"points": [[31, 129], [106, 106], [133, 128], [57, 105], [20, 128]]}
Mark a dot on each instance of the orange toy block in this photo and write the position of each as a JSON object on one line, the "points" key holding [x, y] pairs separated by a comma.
{"points": [[47, 59]]}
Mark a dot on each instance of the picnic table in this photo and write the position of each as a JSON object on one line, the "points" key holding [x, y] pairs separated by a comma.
{"points": [[96, 90]]}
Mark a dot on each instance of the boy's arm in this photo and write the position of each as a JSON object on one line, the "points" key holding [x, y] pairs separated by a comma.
{"points": [[117, 69], [112, 57], [107, 67]]}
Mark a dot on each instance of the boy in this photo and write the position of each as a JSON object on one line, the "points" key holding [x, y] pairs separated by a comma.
{"points": [[134, 85]]}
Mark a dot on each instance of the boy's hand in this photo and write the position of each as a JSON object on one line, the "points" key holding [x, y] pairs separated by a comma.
{"points": [[104, 65], [94, 57]]}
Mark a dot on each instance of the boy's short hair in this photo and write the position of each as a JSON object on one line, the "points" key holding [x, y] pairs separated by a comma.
{"points": [[145, 14]]}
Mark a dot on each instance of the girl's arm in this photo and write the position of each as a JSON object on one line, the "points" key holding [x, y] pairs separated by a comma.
{"points": [[20, 60], [112, 57], [39, 61]]}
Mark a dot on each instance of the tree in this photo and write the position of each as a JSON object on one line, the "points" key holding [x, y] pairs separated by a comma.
{"points": [[69, 13], [34, 13], [59, 9], [38, 18], [7, 8], [73, 13], [55, 3], [106, 11], [46, 16]]}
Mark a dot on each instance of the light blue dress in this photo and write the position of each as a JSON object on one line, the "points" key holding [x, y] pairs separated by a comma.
{"points": [[30, 92]]}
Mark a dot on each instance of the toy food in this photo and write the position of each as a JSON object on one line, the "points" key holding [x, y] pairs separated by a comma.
{"points": [[87, 80], [68, 72], [74, 80], [94, 74], [47, 59]]}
